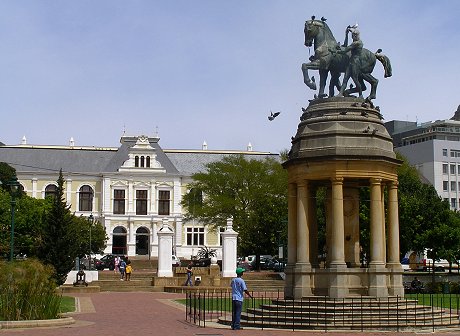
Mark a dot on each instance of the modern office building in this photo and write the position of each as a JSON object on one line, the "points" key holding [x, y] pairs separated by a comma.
{"points": [[434, 149], [132, 189]]}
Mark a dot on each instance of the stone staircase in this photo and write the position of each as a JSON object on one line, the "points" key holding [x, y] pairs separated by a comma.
{"points": [[141, 278], [145, 269], [320, 313]]}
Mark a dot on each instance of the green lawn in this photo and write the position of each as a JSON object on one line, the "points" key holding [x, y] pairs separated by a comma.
{"points": [[67, 304], [437, 300]]}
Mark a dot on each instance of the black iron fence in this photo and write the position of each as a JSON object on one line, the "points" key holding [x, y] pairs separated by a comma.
{"points": [[271, 310]]}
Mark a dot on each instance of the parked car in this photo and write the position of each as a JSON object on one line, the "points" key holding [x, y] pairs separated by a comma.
{"points": [[107, 261], [278, 265]]}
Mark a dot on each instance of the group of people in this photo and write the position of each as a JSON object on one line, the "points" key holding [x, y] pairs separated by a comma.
{"points": [[123, 266]]}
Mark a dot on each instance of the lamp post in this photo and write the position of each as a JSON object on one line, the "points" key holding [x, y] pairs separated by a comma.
{"points": [[91, 219], [14, 187]]}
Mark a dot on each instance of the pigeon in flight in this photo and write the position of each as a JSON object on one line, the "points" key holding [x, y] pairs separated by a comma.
{"points": [[273, 115]]}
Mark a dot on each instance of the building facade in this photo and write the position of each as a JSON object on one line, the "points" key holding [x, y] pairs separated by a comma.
{"points": [[132, 189], [434, 149]]}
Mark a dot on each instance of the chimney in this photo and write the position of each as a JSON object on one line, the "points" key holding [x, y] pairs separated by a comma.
{"points": [[71, 142], [24, 140], [249, 148], [204, 146]]}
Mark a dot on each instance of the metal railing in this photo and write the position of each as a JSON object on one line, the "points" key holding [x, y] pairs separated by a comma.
{"points": [[271, 310]]}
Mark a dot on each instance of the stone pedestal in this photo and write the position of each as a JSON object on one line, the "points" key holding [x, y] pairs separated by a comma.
{"points": [[229, 250], [165, 244]]}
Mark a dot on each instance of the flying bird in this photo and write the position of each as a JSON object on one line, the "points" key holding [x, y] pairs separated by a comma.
{"points": [[273, 115]]}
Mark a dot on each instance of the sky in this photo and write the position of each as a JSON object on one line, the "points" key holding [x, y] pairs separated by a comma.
{"points": [[205, 70]]}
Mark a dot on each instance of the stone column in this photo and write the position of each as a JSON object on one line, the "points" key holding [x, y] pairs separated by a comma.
{"points": [[377, 239], [229, 250], [393, 263], [292, 240], [131, 197], [337, 240], [377, 270], [302, 286], [178, 233], [337, 268], [313, 227], [68, 189], [165, 239]]}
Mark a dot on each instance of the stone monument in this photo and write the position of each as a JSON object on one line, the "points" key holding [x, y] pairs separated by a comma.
{"points": [[342, 145]]}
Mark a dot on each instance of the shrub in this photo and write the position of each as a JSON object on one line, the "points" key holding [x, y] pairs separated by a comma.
{"points": [[27, 291]]}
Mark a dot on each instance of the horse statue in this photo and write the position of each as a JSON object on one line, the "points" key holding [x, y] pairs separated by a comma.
{"points": [[354, 61]]}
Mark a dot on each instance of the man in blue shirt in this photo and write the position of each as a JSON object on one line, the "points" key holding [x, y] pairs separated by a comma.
{"points": [[238, 290]]}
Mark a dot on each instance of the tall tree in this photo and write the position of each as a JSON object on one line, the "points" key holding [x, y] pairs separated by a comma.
{"points": [[59, 247], [252, 192]]}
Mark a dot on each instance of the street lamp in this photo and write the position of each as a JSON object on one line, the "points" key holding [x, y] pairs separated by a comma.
{"points": [[14, 187], [91, 219]]}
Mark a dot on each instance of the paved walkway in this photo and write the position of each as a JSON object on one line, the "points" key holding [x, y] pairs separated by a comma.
{"points": [[138, 314]]}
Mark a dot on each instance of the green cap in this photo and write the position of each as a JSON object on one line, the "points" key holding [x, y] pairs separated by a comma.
{"points": [[240, 270]]}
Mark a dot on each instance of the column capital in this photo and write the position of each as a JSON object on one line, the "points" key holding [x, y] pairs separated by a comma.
{"points": [[393, 184], [337, 180], [375, 180]]}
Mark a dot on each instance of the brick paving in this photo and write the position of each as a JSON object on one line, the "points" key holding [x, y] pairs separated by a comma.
{"points": [[142, 313]]}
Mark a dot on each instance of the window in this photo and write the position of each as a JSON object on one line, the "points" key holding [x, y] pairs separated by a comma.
{"points": [[85, 198], [445, 185], [50, 191], [445, 168], [147, 161], [195, 236], [141, 202], [452, 169], [453, 203], [119, 201], [163, 202], [453, 185], [444, 152], [136, 161]]}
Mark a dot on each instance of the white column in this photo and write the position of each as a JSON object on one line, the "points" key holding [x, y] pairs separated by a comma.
{"points": [[68, 190], [229, 246], [177, 197], [165, 239], [178, 232], [153, 197], [393, 225], [34, 187], [106, 196], [131, 197], [131, 238], [303, 253]]}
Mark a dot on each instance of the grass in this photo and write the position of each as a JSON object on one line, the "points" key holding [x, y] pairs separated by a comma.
{"points": [[67, 304], [451, 301], [437, 300]]}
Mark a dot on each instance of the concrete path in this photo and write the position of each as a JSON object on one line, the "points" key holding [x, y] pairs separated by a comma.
{"points": [[140, 313]]}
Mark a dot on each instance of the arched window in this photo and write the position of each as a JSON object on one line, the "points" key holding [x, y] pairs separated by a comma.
{"points": [[142, 161], [50, 191], [85, 198], [136, 161], [147, 161]]}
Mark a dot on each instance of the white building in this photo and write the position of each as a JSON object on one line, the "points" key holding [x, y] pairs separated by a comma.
{"points": [[130, 189], [434, 149]]}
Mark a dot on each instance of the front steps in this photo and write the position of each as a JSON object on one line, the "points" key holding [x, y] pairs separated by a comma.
{"points": [[322, 313]]}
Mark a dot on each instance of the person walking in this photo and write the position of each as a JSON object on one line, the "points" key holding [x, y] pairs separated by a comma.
{"points": [[188, 282], [129, 270], [238, 289], [116, 262], [122, 267]]}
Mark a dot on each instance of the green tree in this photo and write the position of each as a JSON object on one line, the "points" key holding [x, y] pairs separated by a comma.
{"points": [[6, 174], [59, 246], [426, 221], [252, 192]]}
